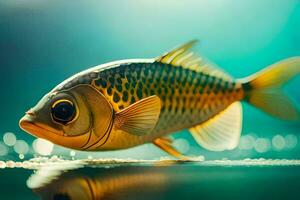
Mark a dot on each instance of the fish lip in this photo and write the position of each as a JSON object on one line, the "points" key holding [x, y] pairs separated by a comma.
{"points": [[27, 124]]}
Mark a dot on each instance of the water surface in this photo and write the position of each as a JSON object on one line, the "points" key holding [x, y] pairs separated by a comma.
{"points": [[166, 179]]}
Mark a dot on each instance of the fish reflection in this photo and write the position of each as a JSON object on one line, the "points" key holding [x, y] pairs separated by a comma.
{"points": [[126, 182]]}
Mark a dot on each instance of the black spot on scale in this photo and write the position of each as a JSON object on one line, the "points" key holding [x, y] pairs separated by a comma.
{"points": [[132, 67], [146, 91], [133, 82], [183, 109], [132, 91], [119, 81], [211, 81], [121, 107], [140, 86], [218, 85], [152, 92], [109, 91], [125, 96], [180, 90], [184, 80], [201, 90], [159, 90], [122, 73], [101, 82], [144, 79], [128, 76], [165, 78], [140, 93], [226, 83], [150, 80], [166, 90], [146, 71], [176, 109], [111, 81], [127, 85], [187, 90], [132, 100], [116, 97], [119, 87], [172, 79], [170, 108], [172, 91], [98, 81]]}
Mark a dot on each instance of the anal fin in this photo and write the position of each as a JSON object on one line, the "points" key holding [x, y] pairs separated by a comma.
{"points": [[222, 132]]}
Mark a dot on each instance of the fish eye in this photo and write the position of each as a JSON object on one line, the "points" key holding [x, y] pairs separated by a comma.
{"points": [[63, 111]]}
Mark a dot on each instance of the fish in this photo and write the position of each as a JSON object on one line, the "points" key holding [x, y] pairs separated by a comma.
{"points": [[127, 103], [119, 182]]}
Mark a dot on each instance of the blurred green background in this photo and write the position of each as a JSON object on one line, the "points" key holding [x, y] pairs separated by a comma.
{"points": [[44, 42]]}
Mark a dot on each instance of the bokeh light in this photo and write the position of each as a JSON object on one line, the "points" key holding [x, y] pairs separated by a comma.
{"points": [[262, 145], [3, 149], [21, 147], [42, 147], [278, 142], [9, 139], [291, 141], [182, 145], [247, 142]]}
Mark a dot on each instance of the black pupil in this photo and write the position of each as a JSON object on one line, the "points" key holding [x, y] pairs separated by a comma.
{"points": [[63, 112]]}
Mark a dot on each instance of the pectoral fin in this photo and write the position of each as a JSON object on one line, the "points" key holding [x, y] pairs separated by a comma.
{"points": [[139, 118]]}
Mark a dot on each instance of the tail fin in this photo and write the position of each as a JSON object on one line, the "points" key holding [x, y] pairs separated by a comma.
{"points": [[263, 89]]}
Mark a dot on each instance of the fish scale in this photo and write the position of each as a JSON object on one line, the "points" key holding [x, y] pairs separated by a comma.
{"points": [[188, 97]]}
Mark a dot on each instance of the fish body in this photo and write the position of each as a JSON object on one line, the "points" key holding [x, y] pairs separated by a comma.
{"points": [[127, 103], [188, 97]]}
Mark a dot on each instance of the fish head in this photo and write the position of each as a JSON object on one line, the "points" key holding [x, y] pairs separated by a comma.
{"points": [[70, 118]]}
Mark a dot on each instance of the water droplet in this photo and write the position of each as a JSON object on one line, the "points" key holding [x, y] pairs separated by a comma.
{"points": [[72, 153], [21, 156]]}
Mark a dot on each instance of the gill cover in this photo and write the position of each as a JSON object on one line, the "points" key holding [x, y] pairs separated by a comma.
{"points": [[100, 111]]}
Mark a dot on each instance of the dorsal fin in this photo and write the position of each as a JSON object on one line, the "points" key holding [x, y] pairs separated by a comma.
{"points": [[184, 57], [221, 132]]}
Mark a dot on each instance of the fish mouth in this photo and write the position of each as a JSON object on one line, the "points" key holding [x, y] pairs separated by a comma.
{"points": [[28, 124]]}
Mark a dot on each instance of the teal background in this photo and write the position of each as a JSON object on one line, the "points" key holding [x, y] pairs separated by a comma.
{"points": [[44, 42]]}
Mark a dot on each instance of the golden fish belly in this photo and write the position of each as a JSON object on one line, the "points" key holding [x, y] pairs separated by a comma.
{"points": [[188, 97]]}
